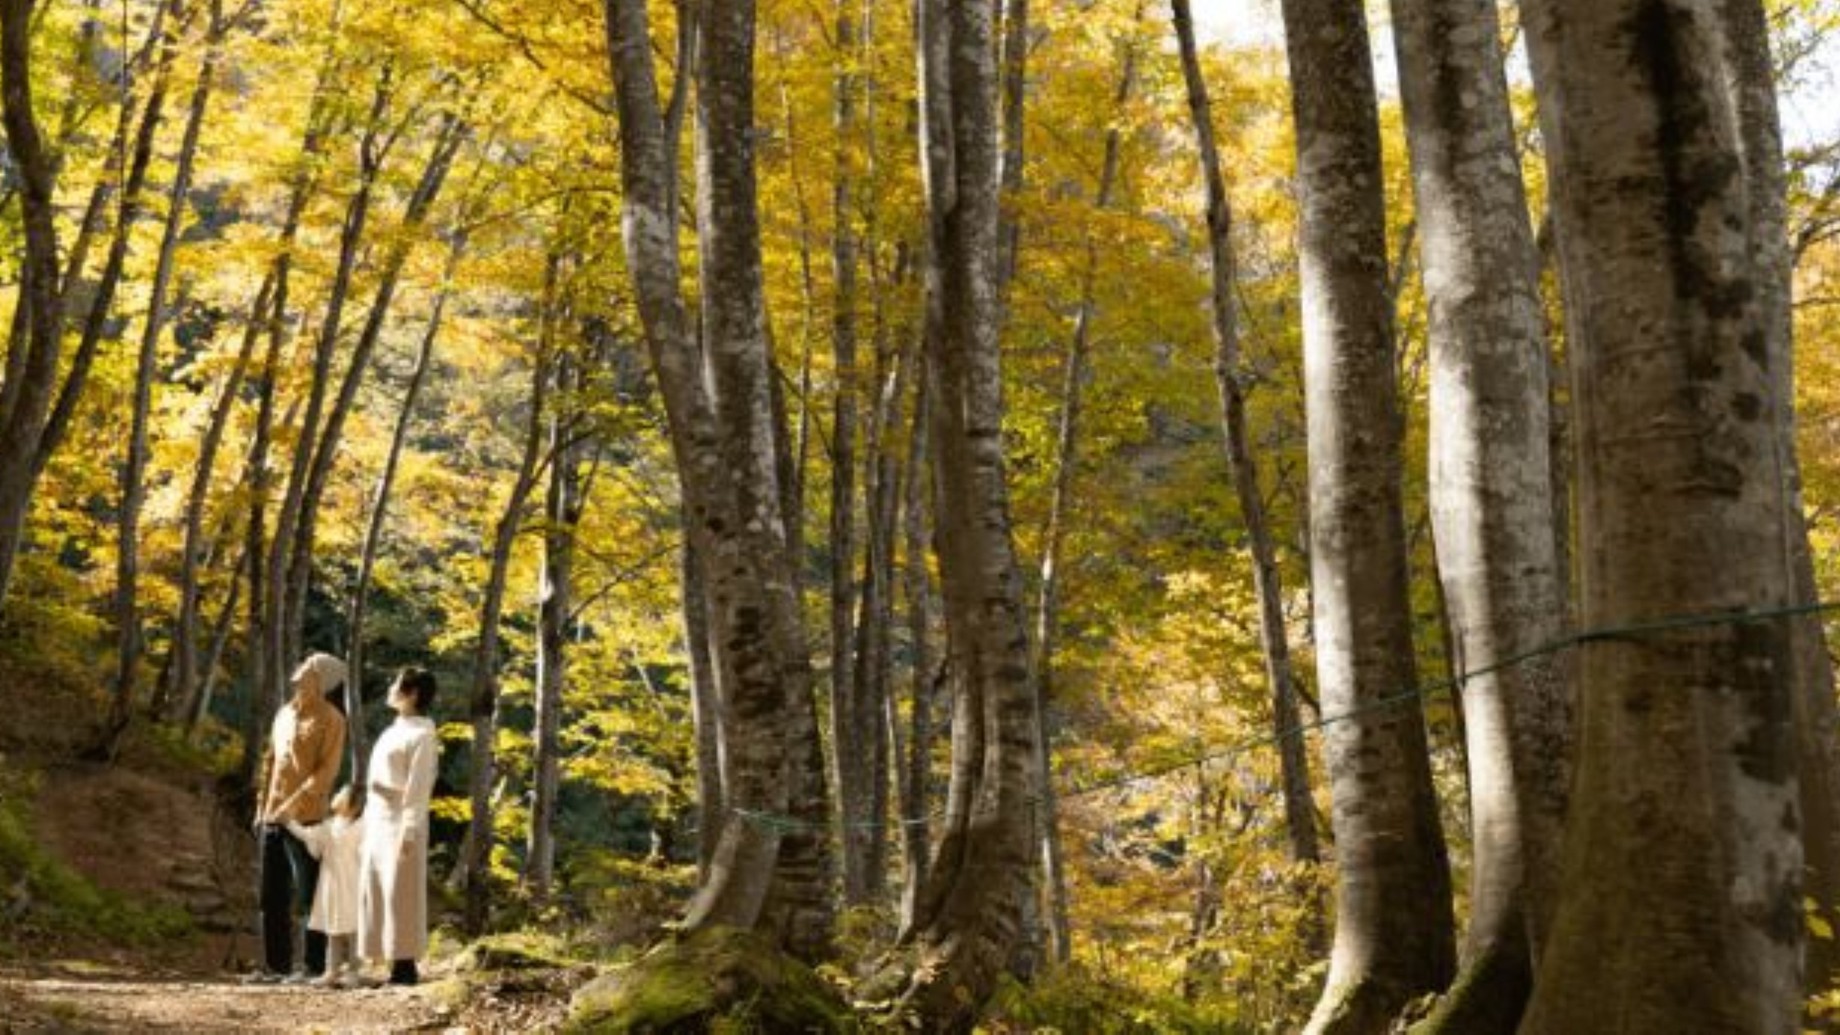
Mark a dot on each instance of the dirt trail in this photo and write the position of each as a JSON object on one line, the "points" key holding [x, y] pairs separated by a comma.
{"points": [[110, 1001]]}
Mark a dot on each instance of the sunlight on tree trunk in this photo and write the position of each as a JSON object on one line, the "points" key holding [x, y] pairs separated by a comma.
{"points": [[1491, 493], [1393, 938]]}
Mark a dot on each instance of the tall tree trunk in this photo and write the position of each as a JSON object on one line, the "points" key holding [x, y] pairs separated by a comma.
{"points": [[562, 515], [265, 672], [876, 720], [255, 647], [96, 318], [19, 340], [1685, 805], [1274, 641], [852, 759], [380, 504], [199, 705], [808, 315], [134, 472], [1747, 33], [1074, 374], [319, 473], [39, 289], [895, 369], [751, 424], [193, 548], [705, 712], [1393, 937], [19, 344], [37, 432], [767, 875], [966, 919], [31, 425], [916, 764], [484, 701], [279, 621], [1015, 140], [1491, 492]]}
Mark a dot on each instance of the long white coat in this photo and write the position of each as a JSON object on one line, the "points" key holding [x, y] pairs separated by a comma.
{"points": [[337, 845], [393, 871]]}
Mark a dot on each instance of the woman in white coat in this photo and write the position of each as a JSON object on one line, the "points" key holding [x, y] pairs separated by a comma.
{"points": [[393, 870]]}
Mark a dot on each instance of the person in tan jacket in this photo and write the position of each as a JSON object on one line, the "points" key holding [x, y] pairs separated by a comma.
{"points": [[305, 747]]}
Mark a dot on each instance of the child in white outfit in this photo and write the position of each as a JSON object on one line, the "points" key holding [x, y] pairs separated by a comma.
{"points": [[336, 844]]}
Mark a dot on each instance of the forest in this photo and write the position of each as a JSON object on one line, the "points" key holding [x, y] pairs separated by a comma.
{"points": [[924, 515]]}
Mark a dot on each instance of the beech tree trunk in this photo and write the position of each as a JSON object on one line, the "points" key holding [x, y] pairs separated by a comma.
{"points": [[1681, 895], [95, 319], [916, 763], [751, 420], [877, 720], [483, 708], [1274, 641], [356, 732], [34, 432], [852, 758], [555, 596], [1491, 491], [1393, 937], [878, 717], [448, 139], [1747, 33], [1074, 375], [193, 549], [279, 620], [705, 713], [36, 374], [1015, 139], [200, 704], [255, 543], [133, 474], [966, 919], [19, 343], [265, 666], [770, 865]]}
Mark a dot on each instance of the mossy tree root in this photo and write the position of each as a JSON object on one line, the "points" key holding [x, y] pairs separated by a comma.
{"points": [[1365, 1006], [718, 978], [1488, 997]]}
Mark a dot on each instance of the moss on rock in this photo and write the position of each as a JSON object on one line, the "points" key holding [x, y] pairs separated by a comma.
{"points": [[720, 979]]}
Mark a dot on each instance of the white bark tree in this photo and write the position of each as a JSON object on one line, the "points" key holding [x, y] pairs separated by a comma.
{"points": [[770, 875], [1393, 938], [1274, 640], [966, 916], [1491, 489], [1681, 895], [1752, 77]]}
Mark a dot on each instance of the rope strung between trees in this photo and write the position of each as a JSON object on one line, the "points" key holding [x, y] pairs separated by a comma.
{"points": [[788, 824]]}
